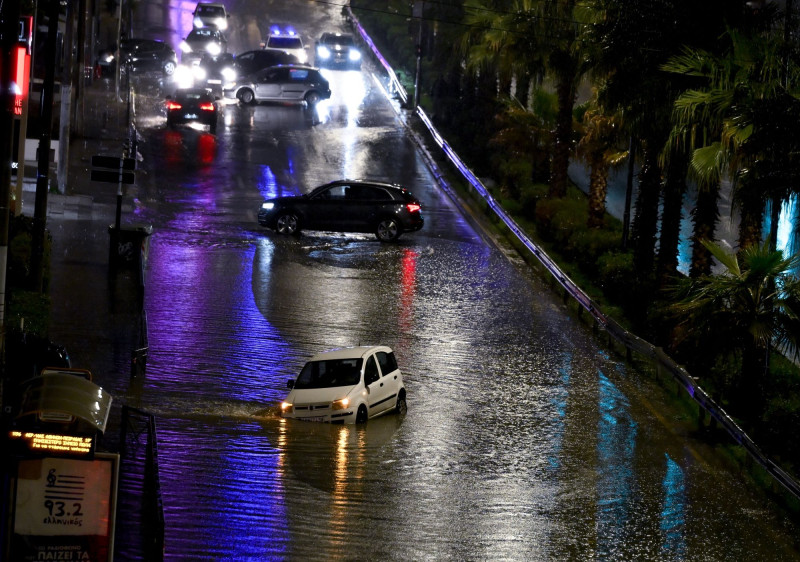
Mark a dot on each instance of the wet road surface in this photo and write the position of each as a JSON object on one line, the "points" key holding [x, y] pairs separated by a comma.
{"points": [[524, 439]]}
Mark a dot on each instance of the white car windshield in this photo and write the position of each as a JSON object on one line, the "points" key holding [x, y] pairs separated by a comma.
{"points": [[330, 373]]}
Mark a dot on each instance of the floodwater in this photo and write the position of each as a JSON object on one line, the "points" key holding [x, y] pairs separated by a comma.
{"points": [[524, 439]]}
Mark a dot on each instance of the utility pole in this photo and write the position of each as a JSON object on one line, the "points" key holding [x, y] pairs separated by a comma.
{"points": [[43, 170], [418, 9]]}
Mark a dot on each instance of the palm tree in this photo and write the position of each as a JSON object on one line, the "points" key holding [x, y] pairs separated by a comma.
{"points": [[749, 309], [599, 147], [522, 41], [741, 123]]}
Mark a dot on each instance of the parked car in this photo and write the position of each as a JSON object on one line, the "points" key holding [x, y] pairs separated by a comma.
{"points": [[253, 61], [137, 55], [193, 105], [210, 14], [386, 209], [348, 385], [214, 72], [292, 83], [337, 49], [204, 40], [287, 41]]}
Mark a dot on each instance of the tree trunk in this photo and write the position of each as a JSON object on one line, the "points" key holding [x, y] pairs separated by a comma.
{"points": [[645, 219], [751, 214], [705, 217], [674, 190], [598, 189], [562, 136]]}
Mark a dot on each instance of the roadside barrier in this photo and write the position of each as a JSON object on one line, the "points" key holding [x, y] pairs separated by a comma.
{"points": [[632, 343]]}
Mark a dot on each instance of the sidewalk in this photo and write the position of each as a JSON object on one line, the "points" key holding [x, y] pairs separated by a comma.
{"points": [[93, 312]]}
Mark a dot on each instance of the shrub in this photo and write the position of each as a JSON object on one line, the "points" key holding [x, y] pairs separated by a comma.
{"points": [[615, 273], [529, 197], [588, 244]]}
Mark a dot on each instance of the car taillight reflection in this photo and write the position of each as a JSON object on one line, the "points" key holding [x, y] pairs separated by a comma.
{"points": [[413, 207], [172, 105]]}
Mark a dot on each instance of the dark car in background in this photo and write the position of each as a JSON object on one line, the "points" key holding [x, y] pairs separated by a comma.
{"points": [[337, 50], [386, 209], [138, 55], [201, 41], [289, 83], [214, 72], [193, 105], [253, 61]]}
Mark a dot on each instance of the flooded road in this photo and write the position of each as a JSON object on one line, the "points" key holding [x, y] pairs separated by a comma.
{"points": [[524, 439]]}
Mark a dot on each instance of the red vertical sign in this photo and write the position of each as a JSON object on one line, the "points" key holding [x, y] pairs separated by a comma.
{"points": [[22, 72]]}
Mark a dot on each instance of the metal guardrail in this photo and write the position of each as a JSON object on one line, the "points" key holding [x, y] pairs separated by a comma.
{"points": [[631, 342], [152, 508]]}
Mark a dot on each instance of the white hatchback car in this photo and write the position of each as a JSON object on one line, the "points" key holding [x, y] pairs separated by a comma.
{"points": [[348, 385]]}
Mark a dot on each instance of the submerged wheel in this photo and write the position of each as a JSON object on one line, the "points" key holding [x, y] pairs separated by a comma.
{"points": [[287, 223], [401, 407], [246, 96], [388, 230], [312, 98], [361, 415]]}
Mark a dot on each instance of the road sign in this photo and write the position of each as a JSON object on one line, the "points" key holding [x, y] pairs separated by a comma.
{"points": [[112, 176], [113, 162]]}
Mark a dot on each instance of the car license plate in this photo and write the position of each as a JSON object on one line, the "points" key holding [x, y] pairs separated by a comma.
{"points": [[190, 116], [215, 81], [314, 419]]}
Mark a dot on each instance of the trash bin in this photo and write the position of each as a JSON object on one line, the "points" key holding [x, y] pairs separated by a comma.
{"points": [[129, 246]]}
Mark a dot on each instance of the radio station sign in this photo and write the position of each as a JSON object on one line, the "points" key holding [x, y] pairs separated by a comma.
{"points": [[64, 509]]}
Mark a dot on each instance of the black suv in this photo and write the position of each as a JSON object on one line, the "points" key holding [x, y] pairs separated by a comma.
{"points": [[386, 209], [253, 61], [138, 55], [337, 49]]}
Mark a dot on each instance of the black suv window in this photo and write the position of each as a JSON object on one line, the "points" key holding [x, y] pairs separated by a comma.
{"points": [[333, 192], [371, 371], [387, 361]]}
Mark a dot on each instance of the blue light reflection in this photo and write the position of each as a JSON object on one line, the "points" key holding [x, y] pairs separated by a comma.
{"points": [[673, 514], [616, 442]]}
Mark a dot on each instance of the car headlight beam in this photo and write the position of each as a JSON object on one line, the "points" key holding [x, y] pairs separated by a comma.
{"points": [[268, 205], [340, 404]]}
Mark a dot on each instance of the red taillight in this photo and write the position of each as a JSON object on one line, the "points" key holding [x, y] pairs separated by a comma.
{"points": [[413, 207], [172, 105], [207, 106]]}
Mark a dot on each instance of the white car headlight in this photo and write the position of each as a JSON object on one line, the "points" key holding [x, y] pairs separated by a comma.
{"points": [[198, 22], [214, 48], [229, 74], [354, 55], [323, 52], [199, 72], [222, 24], [184, 46], [340, 404], [268, 205], [183, 76]]}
